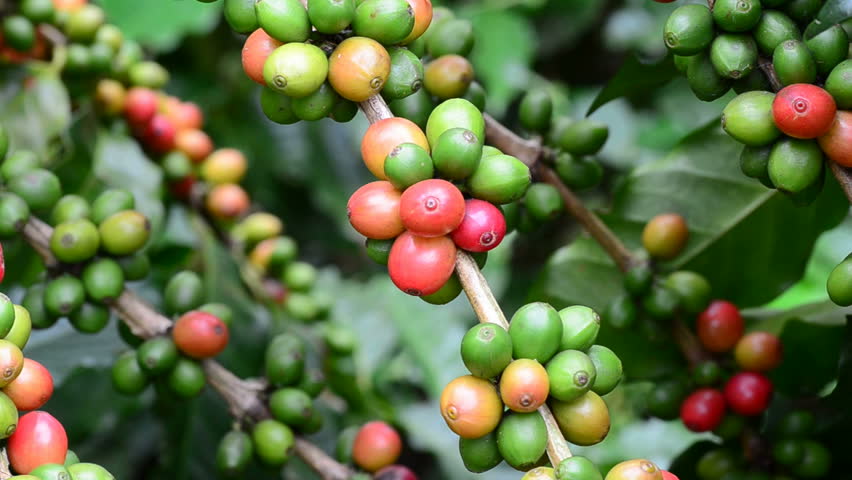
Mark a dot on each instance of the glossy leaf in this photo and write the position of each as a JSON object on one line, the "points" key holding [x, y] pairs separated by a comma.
{"points": [[162, 23], [637, 77]]}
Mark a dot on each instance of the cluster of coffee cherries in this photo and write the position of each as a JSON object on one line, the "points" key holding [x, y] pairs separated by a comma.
{"points": [[788, 134], [839, 284], [373, 447], [414, 222], [580, 468], [575, 143], [546, 356]]}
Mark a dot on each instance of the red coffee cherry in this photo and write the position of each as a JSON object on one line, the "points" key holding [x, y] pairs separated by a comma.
{"points": [[194, 143], [837, 142], [376, 446], [32, 388], [803, 110], [395, 472], [420, 265], [200, 334], [748, 393], [2, 264], [431, 208], [669, 475], [482, 229], [39, 439], [140, 105], [703, 410], [256, 50], [183, 187], [720, 326], [159, 135], [374, 211], [524, 385], [759, 352], [227, 201]]}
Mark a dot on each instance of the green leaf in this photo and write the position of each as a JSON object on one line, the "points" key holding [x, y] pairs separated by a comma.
{"points": [[738, 228], [637, 77], [811, 355], [684, 465], [120, 163], [37, 114], [161, 24], [832, 13], [62, 349]]}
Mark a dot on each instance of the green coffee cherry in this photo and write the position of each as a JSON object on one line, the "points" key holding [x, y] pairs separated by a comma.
{"points": [[135, 267], [773, 29], [693, 289], [829, 48], [343, 111], [578, 173], [19, 32], [756, 80], [148, 74], [543, 202], [387, 21], [748, 119], [486, 350], [124, 233], [273, 442], [446, 294], [731, 428], [38, 11], [707, 373], [312, 382], [536, 110], [51, 471], [580, 327], [621, 312], [665, 399], [457, 153], [816, 461], [406, 74], [283, 20], [798, 424], [75, 241], [733, 55], [18, 163], [408, 164], [803, 11], [681, 62], [110, 202], [79, 59], [536, 332], [220, 311], [705, 82], [689, 30], [39, 188], [583, 137], [70, 207], [754, 163], [480, 454], [788, 452], [522, 439], [416, 107], [717, 463], [291, 406], [71, 458], [571, 374], [839, 85], [499, 179], [450, 37], [176, 165], [89, 318], [661, 302], [21, 329], [839, 285], [235, 450], [608, 369], [157, 355], [187, 378], [103, 279], [331, 16], [88, 471], [63, 295], [285, 360], [795, 164], [7, 315], [317, 105], [737, 15], [83, 23], [183, 292], [638, 278], [794, 63], [378, 250], [295, 69], [300, 276], [241, 15], [454, 113], [579, 468], [33, 302], [339, 339], [111, 36], [129, 53], [277, 107]]}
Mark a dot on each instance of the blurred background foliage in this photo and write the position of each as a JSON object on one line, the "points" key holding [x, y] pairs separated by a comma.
{"points": [[665, 153]]}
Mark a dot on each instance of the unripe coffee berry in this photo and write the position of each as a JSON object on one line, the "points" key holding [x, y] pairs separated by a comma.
{"points": [[358, 68], [758, 352], [471, 407], [665, 236]]}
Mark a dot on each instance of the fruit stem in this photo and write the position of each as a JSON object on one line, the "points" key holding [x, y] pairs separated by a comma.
{"points": [[769, 71], [688, 343], [242, 396], [531, 152], [375, 109]]}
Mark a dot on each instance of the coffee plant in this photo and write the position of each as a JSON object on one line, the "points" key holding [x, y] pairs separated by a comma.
{"points": [[591, 287]]}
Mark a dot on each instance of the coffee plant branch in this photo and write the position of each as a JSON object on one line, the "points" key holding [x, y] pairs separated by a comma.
{"points": [[242, 396]]}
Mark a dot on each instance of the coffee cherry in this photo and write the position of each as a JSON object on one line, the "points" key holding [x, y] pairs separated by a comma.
{"points": [[127, 376], [454, 113], [408, 164], [693, 289], [257, 48], [450, 37], [621, 312], [227, 201], [51, 471], [733, 55], [720, 326], [422, 19], [284, 20], [70, 207], [374, 211], [839, 86], [234, 452], [457, 153], [38, 440], [572, 373], [748, 393], [19, 32], [186, 379], [432, 208], [21, 328], [331, 16], [200, 335], [406, 74], [32, 388], [39, 188], [295, 69], [829, 48], [524, 385], [522, 439], [388, 21], [273, 442], [576, 467], [580, 327], [798, 424], [501, 179], [415, 107], [837, 143], [419, 265], [635, 470], [395, 472], [140, 105], [33, 302], [816, 461], [448, 76], [754, 163], [124, 232], [87, 471], [285, 360], [486, 350], [543, 202], [717, 464], [536, 110], [689, 30], [194, 143], [292, 406], [103, 280], [110, 96], [584, 420], [706, 373], [773, 29], [111, 201], [732, 427], [159, 134], [578, 173], [184, 292], [703, 410], [638, 278], [259, 226], [480, 454], [540, 473], [157, 355], [665, 236], [583, 137], [74, 241], [794, 63], [737, 15], [536, 332], [704, 81], [758, 352], [788, 452], [89, 318], [471, 407], [378, 250], [63, 295], [608, 369], [317, 105], [482, 229], [383, 137], [795, 165], [376, 446], [358, 68], [748, 118], [18, 163]]}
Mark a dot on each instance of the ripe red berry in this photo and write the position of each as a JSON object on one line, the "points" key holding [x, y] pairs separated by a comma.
{"points": [[200, 334], [720, 326], [183, 187], [837, 142], [395, 472], [482, 228], [431, 208], [32, 388], [159, 135], [703, 410], [420, 265], [748, 393], [2, 264], [376, 446], [256, 50], [803, 110], [669, 475], [759, 352], [39, 439], [374, 210], [140, 105]]}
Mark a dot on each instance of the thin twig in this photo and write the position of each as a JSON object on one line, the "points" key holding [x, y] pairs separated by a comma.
{"points": [[844, 178], [375, 109]]}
